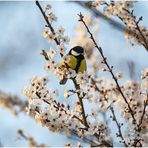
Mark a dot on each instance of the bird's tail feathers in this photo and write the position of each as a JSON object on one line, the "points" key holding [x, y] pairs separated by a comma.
{"points": [[63, 81]]}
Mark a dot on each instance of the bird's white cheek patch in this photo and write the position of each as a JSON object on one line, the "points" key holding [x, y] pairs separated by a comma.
{"points": [[74, 53]]}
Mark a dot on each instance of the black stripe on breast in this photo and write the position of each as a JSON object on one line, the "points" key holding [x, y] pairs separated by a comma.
{"points": [[79, 60]]}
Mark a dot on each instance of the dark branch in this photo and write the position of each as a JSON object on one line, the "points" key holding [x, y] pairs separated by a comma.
{"points": [[118, 126], [107, 65], [46, 19]]}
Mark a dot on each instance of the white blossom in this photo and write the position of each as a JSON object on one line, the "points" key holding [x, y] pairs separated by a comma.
{"points": [[51, 53], [50, 37], [48, 6], [46, 32], [82, 78], [119, 75], [60, 30], [65, 39], [51, 17], [61, 48]]}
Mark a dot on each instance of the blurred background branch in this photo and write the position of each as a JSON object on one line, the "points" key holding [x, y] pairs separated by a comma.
{"points": [[97, 13], [13, 102], [31, 141], [88, 5]]}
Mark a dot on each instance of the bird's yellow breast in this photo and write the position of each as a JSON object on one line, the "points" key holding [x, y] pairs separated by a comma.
{"points": [[72, 63], [83, 66]]}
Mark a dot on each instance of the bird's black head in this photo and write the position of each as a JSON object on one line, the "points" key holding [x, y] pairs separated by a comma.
{"points": [[76, 51]]}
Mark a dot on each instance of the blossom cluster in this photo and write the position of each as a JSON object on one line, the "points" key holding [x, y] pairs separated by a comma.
{"points": [[47, 111], [58, 34], [122, 9]]}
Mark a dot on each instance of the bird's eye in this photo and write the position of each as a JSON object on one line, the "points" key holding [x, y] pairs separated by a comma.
{"points": [[74, 53]]}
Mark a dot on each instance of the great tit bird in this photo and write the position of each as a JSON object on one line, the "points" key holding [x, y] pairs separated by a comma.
{"points": [[76, 61]]}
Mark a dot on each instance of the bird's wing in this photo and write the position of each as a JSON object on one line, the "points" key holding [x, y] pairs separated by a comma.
{"points": [[83, 66]]}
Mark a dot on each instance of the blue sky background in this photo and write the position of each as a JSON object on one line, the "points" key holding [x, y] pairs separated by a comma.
{"points": [[21, 26]]}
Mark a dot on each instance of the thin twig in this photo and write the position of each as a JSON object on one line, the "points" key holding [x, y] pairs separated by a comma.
{"points": [[139, 128], [81, 103], [143, 113], [143, 37], [118, 126]]}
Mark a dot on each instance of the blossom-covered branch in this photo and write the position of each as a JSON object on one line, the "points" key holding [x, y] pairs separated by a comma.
{"points": [[122, 10], [107, 65], [47, 21], [13, 102]]}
